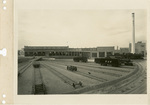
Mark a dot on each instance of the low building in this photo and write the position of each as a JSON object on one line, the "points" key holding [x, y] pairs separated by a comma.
{"points": [[105, 51], [117, 52], [65, 51], [124, 50]]}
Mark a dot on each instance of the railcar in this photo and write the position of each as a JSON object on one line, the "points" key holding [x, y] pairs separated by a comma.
{"points": [[128, 63], [36, 64], [108, 61], [77, 84], [80, 59], [72, 68]]}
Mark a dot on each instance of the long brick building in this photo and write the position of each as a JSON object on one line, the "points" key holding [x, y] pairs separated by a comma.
{"points": [[65, 51]]}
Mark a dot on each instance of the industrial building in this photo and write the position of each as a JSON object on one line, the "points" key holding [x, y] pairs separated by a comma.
{"points": [[96, 52], [124, 50], [140, 48], [65, 51]]}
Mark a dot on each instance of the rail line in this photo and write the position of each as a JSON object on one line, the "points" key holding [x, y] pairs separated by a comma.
{"points": [[96, 65], [110, 84], [21, 70], [103, 72], [24, 68], [38, 86], [60, 75], [90, 76], [101, 67], [128, 82], [98, 71], [137, 89], [123, 85], [141, 83]]}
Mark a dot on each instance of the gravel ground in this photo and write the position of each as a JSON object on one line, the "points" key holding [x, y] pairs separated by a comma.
{"points": [[55, 85], [87, 69], [21, 65], [38, 79], [86, 81], [25, 82], [138, 86], [94, 65]]}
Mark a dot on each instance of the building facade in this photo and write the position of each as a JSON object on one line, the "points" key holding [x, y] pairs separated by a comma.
{"points": [[140, 48], [95, 52], [124, 50], [65, 51]]}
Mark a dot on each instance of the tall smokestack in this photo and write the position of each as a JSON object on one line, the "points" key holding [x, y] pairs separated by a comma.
{"points": [[133, 37]]}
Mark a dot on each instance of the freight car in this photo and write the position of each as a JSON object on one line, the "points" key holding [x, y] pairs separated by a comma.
{"points": [[36, 64], [80, 59], [127, 62], [72, 68], [77, 84], [108, 61]]}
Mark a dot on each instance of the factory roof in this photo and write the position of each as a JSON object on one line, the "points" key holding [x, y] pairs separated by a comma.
{"points": [[46, 47]]}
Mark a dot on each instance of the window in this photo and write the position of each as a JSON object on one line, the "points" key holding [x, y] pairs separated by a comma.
{"points": [[109, 53], [101, 54], [94, 54]]}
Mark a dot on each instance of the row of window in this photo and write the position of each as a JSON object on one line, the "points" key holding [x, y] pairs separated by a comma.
{"points": [[101, 54], [55, 53]]}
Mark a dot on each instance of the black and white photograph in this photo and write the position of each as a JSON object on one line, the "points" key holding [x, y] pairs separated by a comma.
{"points": [[77, 51]]}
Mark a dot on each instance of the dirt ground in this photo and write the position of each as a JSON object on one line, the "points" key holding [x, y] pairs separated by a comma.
{"points": [[58, 80]]}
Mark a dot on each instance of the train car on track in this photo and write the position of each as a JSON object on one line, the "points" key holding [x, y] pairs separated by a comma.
{"points": [[80, 59], [72, 68], [128, 63], [77, 84], [108, 61], [36, 64]]}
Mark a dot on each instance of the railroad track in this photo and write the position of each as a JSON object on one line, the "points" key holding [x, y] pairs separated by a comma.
{"points": [[60, 75], [103, 72], [128, 86], [122, 82], [96, 65], [128, 67], [140, 83], [89, 76], [24, 68], [38, 86], [111, 87], [97, 71], [139, 89], [119, 69]]}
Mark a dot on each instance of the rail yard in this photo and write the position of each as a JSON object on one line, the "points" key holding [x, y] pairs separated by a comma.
{"points": [[64, 76]]}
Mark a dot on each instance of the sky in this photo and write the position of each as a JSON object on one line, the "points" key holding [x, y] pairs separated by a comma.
{"points": [[79, 28]]}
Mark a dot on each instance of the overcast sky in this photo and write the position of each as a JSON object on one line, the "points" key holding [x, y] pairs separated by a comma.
{"points": [[79, 28]]}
